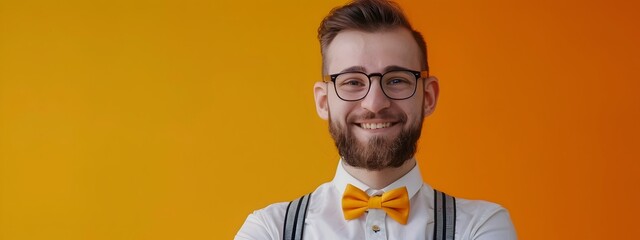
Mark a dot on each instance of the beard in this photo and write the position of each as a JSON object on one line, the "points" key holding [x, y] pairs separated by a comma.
{"points": [[379, 152]]}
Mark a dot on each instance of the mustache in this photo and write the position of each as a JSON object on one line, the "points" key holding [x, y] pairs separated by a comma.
{"points": [[384, 114]]}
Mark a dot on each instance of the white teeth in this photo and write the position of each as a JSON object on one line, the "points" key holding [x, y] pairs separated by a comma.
{"points": [[375, 125]]}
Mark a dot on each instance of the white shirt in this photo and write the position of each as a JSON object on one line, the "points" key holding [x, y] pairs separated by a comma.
{"points": [[479, 220]]}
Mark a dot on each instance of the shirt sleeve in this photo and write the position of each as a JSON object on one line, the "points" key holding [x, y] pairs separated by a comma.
{"points": [[497, 226], [263, 224], [253, 229]]}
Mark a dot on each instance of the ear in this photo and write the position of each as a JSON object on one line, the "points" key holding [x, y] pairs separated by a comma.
{"points": [[431, 91], [320, 95]]}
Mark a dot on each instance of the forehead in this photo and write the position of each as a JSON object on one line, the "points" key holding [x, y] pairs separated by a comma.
{"points": [[373, 51]]}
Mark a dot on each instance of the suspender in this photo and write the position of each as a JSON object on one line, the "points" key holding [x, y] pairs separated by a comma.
{"points": [[294, 218], [444, 207]]}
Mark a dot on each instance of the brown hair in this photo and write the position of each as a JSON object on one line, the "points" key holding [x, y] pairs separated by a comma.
{"points": [[368, 16]]}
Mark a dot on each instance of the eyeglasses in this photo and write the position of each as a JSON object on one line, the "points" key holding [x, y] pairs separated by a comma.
{"points": [[396, 85]]}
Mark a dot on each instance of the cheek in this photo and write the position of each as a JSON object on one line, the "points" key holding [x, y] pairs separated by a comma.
{"points": [[414, 111], [337, 114], [339, 110]]}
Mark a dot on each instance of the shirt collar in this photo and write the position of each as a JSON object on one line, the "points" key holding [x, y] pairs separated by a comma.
{"points": [[412, 180]]}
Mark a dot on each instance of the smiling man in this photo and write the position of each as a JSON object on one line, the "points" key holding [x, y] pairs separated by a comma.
{"points": [[376, 92]]}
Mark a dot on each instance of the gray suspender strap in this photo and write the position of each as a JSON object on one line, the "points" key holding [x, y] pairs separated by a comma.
{"points": [[445, 216], [444, 211], [294, 218]]}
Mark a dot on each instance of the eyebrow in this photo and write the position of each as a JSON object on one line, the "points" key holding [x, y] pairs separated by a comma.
{"points": [[386, 69], [354, 69]]}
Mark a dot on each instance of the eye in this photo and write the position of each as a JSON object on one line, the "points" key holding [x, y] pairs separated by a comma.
{"points": [[353, 82], [398, 81]]}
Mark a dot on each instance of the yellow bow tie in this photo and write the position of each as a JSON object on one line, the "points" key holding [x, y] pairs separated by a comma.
{"points": [[395, 203]]}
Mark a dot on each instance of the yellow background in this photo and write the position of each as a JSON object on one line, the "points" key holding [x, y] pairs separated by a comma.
{"points": [[140, 119]]}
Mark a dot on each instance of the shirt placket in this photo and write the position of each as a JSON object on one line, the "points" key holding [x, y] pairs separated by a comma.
{"points": [[376, 229], [375, 226]]}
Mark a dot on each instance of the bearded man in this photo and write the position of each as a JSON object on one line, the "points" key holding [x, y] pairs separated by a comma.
{"points": [[376, 92]]}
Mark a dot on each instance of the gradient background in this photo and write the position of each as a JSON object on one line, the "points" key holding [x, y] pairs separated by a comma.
{"points": [[140, 119]]}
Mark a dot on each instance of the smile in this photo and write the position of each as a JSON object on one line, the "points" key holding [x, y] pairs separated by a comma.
{"points": [[375, 125]]}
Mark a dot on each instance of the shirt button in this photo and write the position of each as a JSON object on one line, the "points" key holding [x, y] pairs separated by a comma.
{"points": [[375, 228]]}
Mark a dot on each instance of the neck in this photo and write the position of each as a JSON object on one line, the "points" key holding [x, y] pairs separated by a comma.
{"points": [[381, 178]]}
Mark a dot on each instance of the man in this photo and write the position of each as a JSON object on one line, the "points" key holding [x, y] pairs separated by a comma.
{"points": [[376, 92]]}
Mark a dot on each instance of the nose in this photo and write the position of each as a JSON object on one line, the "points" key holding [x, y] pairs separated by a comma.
{"points": [[375, 100]]}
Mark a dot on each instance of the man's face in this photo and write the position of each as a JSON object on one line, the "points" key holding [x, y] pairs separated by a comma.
{"points": [[376, 132]]}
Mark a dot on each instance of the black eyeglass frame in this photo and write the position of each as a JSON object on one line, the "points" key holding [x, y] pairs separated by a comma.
{"points": [[417, 74]]}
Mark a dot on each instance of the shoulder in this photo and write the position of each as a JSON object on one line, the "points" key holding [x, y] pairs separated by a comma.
{"points": [[268, 223], [480, 219], [265, 223]]}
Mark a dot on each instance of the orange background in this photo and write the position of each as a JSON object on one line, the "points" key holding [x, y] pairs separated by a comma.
{"points": [[139, 119]]}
